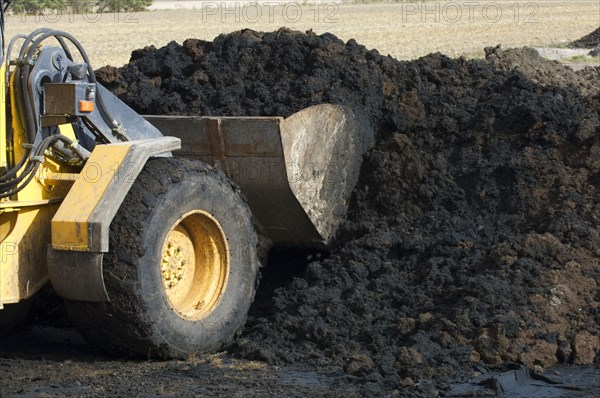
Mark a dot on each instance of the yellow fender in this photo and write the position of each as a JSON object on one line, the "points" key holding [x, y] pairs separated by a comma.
{"points": [[80, 226]]}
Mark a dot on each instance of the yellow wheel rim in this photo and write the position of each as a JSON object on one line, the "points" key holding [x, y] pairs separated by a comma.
{"points": [[195, 264]]}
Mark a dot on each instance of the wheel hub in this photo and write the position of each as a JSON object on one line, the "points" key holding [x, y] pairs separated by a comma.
{"points": [[177, 253], [195, 264]]}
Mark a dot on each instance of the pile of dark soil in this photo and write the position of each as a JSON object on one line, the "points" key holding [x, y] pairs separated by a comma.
{"points": [[473, 236], [588, 41]]}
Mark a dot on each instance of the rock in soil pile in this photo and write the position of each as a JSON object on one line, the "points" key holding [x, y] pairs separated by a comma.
{"points": [[588, 41], [473, 235]]}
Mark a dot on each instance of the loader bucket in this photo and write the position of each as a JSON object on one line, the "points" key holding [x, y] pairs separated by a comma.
{"points": [[297, 173]]}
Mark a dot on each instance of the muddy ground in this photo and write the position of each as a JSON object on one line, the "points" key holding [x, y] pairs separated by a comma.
{"points": [[471, 243], [46, 357]]}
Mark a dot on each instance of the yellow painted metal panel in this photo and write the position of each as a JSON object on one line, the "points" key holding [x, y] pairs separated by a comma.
{"points": [[70, 224], [67, 130], [3, 89], [18, 130], [25, 223], [23, 265]]}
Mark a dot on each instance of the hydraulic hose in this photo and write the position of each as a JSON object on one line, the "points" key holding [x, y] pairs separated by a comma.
{"points": [[91, 76], [14, 180]]}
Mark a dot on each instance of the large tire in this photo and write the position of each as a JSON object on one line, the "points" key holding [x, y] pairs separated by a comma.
{"points": [[178, 211]]}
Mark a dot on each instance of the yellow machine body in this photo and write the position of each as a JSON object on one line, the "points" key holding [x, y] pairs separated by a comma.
{"points": [[24, 219]]}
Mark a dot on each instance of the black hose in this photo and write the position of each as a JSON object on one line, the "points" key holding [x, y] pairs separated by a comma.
{"points": [[13, 172], [9, 136], [10, 182], [32, 166], [30, 119], [31, 124], [15, 191], [29, 39], [28, 168], [91, 76], [9, 49]]}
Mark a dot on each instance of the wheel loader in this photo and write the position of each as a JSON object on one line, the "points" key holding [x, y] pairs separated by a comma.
{"points": [[150, 227]]}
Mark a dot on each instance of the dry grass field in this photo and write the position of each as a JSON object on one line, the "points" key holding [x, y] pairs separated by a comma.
{"points": [[404, 30]]}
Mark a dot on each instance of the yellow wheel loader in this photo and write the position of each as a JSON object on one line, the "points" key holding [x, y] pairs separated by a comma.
{"points": [[147, 226]]}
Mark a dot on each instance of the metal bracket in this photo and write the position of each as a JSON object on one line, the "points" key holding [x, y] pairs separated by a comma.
{"points": [[83, 219]]}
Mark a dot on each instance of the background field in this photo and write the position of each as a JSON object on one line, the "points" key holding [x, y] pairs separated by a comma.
{"points": [[475, 230], [403, 30]]}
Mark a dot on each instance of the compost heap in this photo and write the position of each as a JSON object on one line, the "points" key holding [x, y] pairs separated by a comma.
{"points": [[473, 235], [588, 41]]}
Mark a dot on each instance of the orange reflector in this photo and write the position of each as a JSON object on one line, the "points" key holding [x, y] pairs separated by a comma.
{"points": [[86, 106]]}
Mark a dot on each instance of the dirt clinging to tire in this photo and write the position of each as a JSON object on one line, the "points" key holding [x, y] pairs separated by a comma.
{"points": [[473, 235]]}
